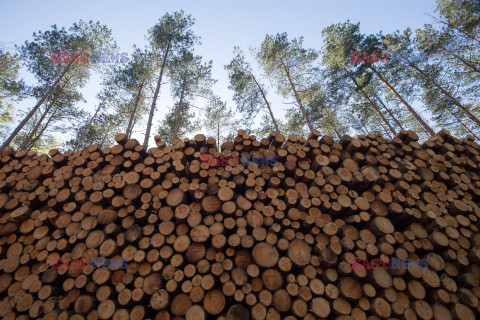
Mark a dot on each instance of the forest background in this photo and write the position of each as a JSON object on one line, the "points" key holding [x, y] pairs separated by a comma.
{"points": [[215, 67]]}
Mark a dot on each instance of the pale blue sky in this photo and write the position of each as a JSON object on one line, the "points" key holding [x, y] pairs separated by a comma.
{"points": [[220, 24]]}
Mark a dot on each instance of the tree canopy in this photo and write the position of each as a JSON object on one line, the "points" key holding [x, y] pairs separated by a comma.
{"points": [[355, 83]]}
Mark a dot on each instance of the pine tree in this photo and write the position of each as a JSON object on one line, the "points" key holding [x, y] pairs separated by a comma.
{"points": [[249, 94], [219, 120], [289, 65], [170, 36], [186, 123], [37, 55], [11, 88], [345, 38], [190, 78]]}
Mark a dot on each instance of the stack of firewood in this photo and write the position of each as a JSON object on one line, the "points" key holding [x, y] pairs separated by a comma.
{"points": [[362, 228]]}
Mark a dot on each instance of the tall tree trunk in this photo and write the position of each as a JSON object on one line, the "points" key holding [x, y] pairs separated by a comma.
{"points": [[399, 97], [155, 96], [32, 112], [465, 62], [132, 116], [77, 144], [388, 110], [218, 132], [439, 87], [35, 120], [374, 106], [177, 114], [300, 105], [462, 124], [386, 131], [364, 127], [337, 133], [381, 102], [133, 126], [103, 140], [39, 122], [465, 34], [32, 133], [266, 103], [379, 113], [34, 141]]}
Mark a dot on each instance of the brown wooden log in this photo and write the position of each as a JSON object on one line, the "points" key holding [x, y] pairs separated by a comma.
{"points": [[265, 255], [214, 302]]}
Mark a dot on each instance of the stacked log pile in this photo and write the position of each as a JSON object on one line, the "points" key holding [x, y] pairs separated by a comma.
{"points": [[235, 242]]}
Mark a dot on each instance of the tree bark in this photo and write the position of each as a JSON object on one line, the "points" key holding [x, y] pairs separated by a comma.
{"points": [[34, 141], [218, 132], [177, 115], [266, 103], [300, 105], [32, 112], [336, 132], [28, 139], [374, 106], [155, 96], [133, 126], [103, 140], [132, 116], [405, 103], [31, 130], [439, 87]]}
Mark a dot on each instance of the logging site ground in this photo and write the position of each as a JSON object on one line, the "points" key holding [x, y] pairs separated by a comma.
{"points": [[261, 160]]}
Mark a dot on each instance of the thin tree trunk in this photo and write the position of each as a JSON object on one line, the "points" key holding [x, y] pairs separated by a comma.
{"points": [[31, 129], [300, 105], [103, 140], [388, 110], [218, 132], [266, 102], [439, 87], [133, 126], [386, 131], [32, 133], [365, 128], [379, 113], [34, 141], [132, 116], [374, 106], [462, 124], [383, 104], [337, 133], [77, 144], [39, 122], [399, 97], [467, 63], [466, 34], [177, 114], [32, 112], [155, 96]]}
